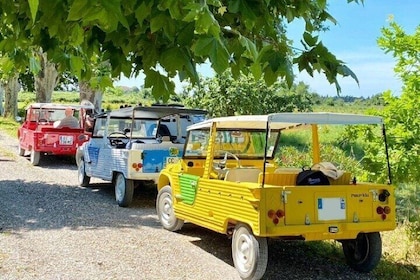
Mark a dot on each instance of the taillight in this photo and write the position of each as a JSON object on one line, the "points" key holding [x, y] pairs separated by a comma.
{"points": [[383, 211], [280, 213], [137, 166], [275, 216]]}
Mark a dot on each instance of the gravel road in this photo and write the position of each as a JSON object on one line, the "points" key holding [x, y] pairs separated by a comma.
{"points": [[51, 228]]}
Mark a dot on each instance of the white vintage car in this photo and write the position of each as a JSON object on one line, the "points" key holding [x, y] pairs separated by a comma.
{"points": [[134, 144]]}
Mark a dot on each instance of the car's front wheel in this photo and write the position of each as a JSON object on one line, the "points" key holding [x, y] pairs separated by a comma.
{"points": [[165, 210], [124, 189], [249, 253], [35, 157], [84, 180], [363, 253]]}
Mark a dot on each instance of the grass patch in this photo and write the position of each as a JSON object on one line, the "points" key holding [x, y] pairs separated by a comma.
{"points": [[400, 255], [9, 126]]}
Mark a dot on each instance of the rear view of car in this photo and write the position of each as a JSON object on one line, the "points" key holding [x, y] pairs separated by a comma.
{"points": [[40, 134], [229, 180]]}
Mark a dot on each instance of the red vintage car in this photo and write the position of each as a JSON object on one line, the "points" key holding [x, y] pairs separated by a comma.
{"points": [[40, 134]]}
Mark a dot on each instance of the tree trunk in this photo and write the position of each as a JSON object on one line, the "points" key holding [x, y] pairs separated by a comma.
{"points": [[92, 95], [1, 100], [46, 80], [11, 89]]}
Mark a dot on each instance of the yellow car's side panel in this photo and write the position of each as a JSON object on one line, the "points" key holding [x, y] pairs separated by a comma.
{"points": [[219, 203]]}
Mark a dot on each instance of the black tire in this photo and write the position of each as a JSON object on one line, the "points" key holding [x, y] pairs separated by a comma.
{"points": [[35, 158], [165, 210], [84, 180], [21, 151], [363, 253], [124, 189], [249, 253]]}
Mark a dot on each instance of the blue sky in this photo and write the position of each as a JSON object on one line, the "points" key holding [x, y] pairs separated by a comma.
{"points": [[353, 40]]}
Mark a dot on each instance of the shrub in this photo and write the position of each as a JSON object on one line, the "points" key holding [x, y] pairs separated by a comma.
{"points": [[408, 208]]}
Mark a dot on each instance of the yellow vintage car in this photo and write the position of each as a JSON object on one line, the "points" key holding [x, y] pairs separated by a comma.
{"points": [[228, 181]]}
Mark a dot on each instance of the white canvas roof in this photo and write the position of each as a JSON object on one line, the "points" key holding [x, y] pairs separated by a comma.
{"points": [[59, 106], [153, 112], [286, 120]]}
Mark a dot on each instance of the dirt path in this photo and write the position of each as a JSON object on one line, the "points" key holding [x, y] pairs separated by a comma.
{"points": [[50, 228]]}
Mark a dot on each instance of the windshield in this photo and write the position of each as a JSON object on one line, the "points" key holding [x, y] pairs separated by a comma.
{"points": [[246, 144], [140, 128], [48, 114]]}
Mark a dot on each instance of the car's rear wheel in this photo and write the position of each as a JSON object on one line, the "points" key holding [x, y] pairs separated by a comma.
{"points": [[363, 253], [35, 157], [21, 151], [84, 180], [249, 253], [124, 189], [165, 210]]}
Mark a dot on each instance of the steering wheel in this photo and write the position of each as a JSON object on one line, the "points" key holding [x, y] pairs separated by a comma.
{"points": [[117, 141], [222, 163], [220, 166]]}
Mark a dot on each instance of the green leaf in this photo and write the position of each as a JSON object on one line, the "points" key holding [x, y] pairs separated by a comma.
{"points": [[175, 8], [311, 41], [76, 35], [143, 11], [76, 65], [207, 24], [215, 51], [177, 59], [33, 6], [158, 22], [269, 76], [234, 6], [172, 60], [345, 71], [256, 70], [113, 10], [249, 46], [161, 86], [289, 73], [152, 56], [78, 10], [322, 4], [7, 66], [194, 9], [34, 65]]}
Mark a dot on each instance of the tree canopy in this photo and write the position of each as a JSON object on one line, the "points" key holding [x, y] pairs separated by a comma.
{"points": [[401, 113], [224, 95], [169, 38]]}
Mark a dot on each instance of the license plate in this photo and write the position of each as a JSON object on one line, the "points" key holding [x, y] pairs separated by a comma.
{"points": [[172, 160], [332, 208], [66, 140]]}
